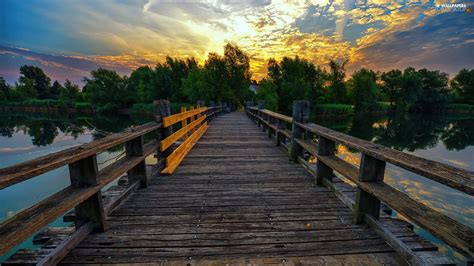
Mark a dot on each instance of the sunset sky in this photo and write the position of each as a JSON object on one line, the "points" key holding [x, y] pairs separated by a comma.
{"points": [[70, 38]]}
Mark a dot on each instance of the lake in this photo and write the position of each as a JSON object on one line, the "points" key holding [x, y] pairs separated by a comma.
{"points": [[446, 139]]}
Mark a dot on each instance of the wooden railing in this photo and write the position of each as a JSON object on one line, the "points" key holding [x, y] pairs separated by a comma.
{"points": [[370, 174], [84, 193]]}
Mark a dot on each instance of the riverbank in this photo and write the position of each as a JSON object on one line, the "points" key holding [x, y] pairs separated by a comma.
{"points": [[330, 110]]}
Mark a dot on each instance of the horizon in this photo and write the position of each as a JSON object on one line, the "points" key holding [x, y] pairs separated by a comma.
{"points": [[379, 35]]}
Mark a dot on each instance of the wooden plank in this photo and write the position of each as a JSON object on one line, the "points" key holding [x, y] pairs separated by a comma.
{"points": [[455, 234], [184, 131], [26, 170], [278, 116], [172, 119], [20, 226], [175, 158], [57, 254], [456, 178], [184, 122]]}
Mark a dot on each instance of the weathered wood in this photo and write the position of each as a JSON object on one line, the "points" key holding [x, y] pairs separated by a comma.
{"points": [[300, 114], [456, 178], [20, 226], [371, 170], [85, 173], [325, 147], [58, 253], [161, 111], [23, 171], [278, 116], [134, 148], [455, 234]]}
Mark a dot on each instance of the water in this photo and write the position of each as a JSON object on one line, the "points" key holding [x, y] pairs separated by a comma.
{"points": [[26, 136], [446, 139]]}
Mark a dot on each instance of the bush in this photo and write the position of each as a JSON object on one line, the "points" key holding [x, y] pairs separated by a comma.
{"points": [[333, 109]]}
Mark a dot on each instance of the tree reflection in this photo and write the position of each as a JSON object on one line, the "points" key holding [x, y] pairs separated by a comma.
{"points": [[406, 131], [44, 129]]}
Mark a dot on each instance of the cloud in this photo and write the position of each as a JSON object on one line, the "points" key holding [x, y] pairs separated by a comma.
{"points": [[125, 34]]}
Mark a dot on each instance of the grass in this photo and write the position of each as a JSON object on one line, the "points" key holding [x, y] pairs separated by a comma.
{"points": [[333, 109], [80, 106]]}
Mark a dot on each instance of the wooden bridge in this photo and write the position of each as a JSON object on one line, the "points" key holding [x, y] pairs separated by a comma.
{"points": [[239, 196]]}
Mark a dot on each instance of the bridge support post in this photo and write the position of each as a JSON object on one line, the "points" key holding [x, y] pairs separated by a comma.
{"points": [[261, 106], [134, 148], [325, 147], [371, 170], [301, 115], [85, 173], [279, 136], [162, 109]]}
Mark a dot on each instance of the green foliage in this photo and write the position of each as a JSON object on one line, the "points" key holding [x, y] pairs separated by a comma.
{"points": [[107, 91], [70, 92], [5, 90], [463, 85], [335, 78], [332, 109], [222, 78], [363, 89], [35, 77], [25, 90], [267, 92], [55, 90]]}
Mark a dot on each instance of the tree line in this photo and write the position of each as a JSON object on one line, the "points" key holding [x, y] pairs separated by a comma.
{"points": [[413, 90], [227, 78]]}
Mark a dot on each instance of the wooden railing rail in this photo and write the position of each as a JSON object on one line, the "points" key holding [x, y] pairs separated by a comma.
{"points": [[190, 132], [84, 193], [370, 174]]}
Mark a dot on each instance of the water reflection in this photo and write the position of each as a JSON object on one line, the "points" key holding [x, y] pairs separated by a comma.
{"points": [[407, 132], [44, 130]]}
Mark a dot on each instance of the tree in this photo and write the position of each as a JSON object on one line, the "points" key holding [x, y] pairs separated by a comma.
{"points": [[196, 86], [143, 82], [410, 89], [55, 90], [237, 64], [363, 87], [267, 92], [434, 89], [70, 92], [107, 90], [463, 85], [337, 87], [39, 80], [392, 82], [25, 90], [4, 90]]}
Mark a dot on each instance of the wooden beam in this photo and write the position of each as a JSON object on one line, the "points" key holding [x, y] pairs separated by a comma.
{"points": [[174, 159], [134, 148], [172, 119], [456, 178], [19, 227], [300, 114], [26, 170], [325, 147], [371, 170], [180, 133]]}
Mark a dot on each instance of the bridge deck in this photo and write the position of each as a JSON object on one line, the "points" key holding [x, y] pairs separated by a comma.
{"points": [[236, 198]]}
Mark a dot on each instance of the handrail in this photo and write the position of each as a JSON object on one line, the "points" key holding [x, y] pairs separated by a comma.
{"points": [[369, 176], [26, 170], [84, 193], [453, 177]]}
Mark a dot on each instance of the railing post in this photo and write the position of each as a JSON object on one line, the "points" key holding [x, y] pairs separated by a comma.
{"points": [[85, 173], [371, 170], [261, 106], [301, 115], [161, 110], [185, 121], [279, 136], [134, 148], [271, 121], [325, 147]]}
